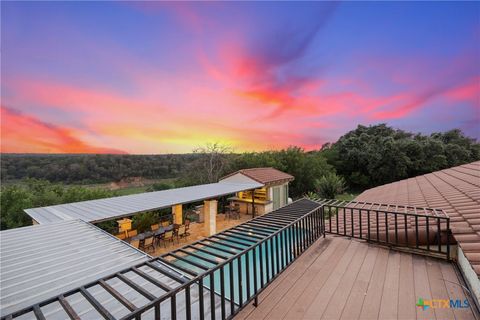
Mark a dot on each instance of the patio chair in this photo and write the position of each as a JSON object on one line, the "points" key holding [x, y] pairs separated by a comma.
{"points": [[135, 243], [159, 238], [187, 226], [155, 226], [165, 223], [226, 211], [132, 233], [148, 243], [168, 236], [181, 233], [121, 236]]}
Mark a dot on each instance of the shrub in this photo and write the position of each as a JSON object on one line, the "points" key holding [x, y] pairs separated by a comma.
{"points": [[311, 195], [330, 185], [143, 221]]}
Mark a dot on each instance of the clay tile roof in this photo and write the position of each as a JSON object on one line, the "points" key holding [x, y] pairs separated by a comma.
{"points": [[455, 190], [264, 175]]}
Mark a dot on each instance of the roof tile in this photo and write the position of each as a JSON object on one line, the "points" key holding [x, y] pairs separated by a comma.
{"points": [[455, 190], [264, 175]]}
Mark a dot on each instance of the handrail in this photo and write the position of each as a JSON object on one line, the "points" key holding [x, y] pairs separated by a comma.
{"points": [[425, 233]]}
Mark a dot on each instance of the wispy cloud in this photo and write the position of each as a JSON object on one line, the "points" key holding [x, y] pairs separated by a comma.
{"points": [[23, 133]]}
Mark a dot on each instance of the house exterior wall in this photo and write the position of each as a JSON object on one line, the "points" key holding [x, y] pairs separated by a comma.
{"points": [[469, 274], [279, 195], [279, 200]]}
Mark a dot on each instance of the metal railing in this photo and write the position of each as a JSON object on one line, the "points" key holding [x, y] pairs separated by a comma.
{"points": [[423, 230], [242, 277]]}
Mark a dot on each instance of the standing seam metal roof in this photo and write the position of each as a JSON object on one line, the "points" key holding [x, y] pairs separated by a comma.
{"points": [[117, 207], [39, 262]]}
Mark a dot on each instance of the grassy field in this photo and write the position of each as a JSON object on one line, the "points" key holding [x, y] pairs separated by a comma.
{"points": [[120, 190], [347, 196], [132, 189]]}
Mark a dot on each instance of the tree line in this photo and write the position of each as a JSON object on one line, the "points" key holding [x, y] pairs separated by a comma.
{"points": [[362, 158], [89, 169], [371, 156]]}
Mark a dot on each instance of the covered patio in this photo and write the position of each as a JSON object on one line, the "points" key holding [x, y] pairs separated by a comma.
{"points": [[168, 231]]}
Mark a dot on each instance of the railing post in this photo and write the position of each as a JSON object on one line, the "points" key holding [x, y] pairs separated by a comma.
{"points": [[448, 239]]}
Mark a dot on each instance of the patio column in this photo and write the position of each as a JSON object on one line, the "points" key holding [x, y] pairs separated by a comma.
{"points": [[210, 212], [177, 211]]}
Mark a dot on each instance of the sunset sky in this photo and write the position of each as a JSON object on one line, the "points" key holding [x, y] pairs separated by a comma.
{"points": [[151, 77]]}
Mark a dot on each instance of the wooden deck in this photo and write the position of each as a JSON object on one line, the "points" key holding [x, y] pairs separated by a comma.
{"points": [[338, 278]]}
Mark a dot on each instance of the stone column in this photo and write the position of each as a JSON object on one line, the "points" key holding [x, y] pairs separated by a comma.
{"points": [[210, 212], [177, 211]]}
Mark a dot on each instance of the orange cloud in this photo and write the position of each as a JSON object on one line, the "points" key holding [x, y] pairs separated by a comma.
{"points": [[26, 134]]}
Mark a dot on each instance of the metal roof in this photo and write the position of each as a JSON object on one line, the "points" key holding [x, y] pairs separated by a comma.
{"points": [[39, 262], [140, 287], [117, 207]]}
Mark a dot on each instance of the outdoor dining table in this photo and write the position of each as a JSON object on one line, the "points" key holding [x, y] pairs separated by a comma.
{"points": [[155, 233]]}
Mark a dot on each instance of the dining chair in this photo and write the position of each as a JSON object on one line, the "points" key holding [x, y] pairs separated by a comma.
{"points": [[148, 243], [159, 238], [132, 233], [187, 226], [165, 223], [121, 236], [168, 236], [135, 243], [155, 226], [181, 232]]}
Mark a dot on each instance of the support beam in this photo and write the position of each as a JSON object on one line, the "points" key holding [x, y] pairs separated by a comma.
{"points": [[177, 211], [210, 212], [253, 203]]}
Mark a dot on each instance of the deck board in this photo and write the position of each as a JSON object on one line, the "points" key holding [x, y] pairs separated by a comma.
{"points": [[422, 286], [286, 280], [371, 303], [355, 299], [337, 301], [312, 283], [299, 282], [339, 278], [320, 302], [455, 290], [389, 302], [406, 288], [438, 289]]}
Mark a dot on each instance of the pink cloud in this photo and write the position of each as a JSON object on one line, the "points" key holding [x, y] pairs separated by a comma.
{"points": [[24, 134]]}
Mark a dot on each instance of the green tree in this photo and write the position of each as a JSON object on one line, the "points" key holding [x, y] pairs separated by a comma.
{"points": [[38, 193], [378, 154], [304, 166]]}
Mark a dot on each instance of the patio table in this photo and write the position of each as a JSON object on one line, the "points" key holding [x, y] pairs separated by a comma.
{"points": [[155, 233]]}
